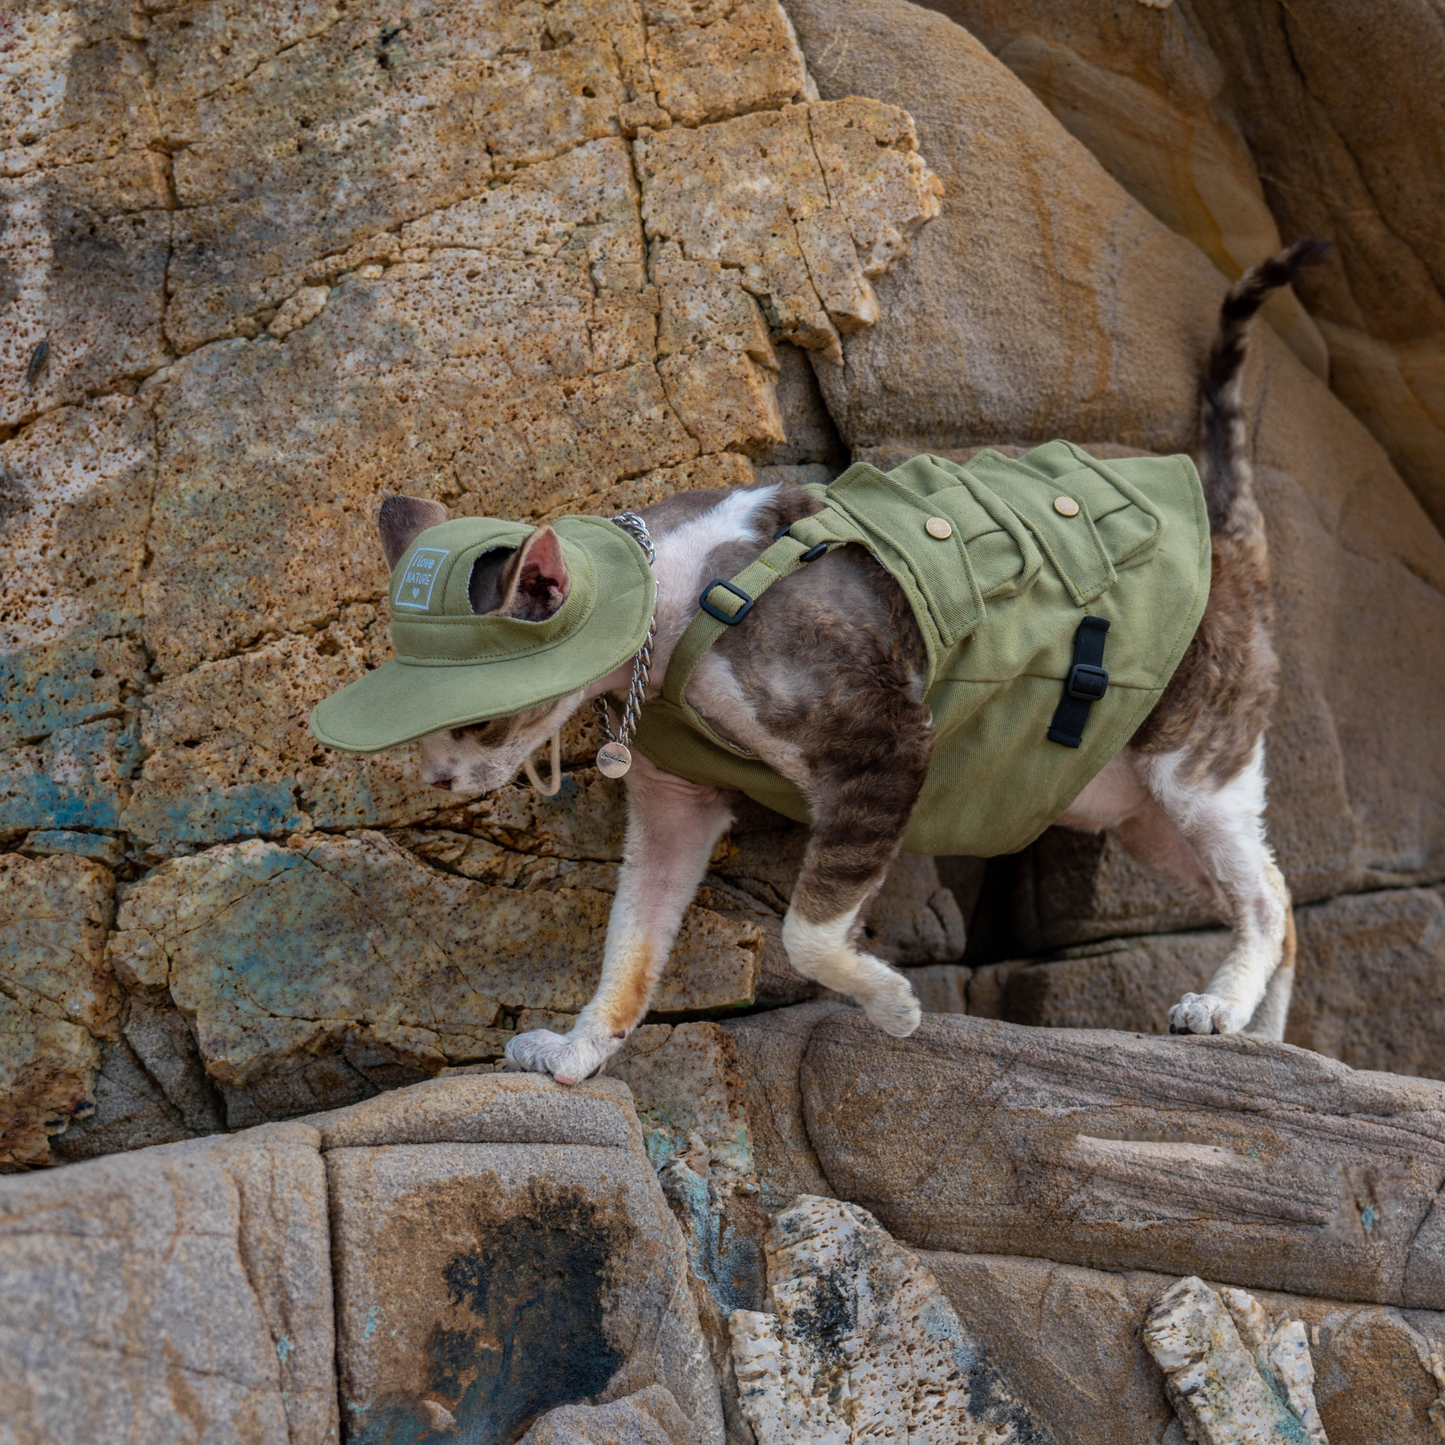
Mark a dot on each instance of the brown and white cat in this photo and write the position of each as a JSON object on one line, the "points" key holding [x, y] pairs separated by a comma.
{"points": [[825, 683]]}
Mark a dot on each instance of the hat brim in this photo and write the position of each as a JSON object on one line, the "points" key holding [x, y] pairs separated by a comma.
{"points": [[402, 701]]}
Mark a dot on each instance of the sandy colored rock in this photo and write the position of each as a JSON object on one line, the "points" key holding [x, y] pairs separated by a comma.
{"points": [[1017, 319], [1223, 1389], [86, 248], [771, 1047], [75, 490], [1270, 1166], [650, 1417], [183, 1289], [1149, 98], [803, 212], [1336, 163], [863, 1345], [460, 1264], [58, 997], [711, 61], [1072, 1336], [274, 952]]}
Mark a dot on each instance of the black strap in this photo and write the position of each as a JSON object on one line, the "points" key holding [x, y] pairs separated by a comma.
{"points": [[1084, 686]]}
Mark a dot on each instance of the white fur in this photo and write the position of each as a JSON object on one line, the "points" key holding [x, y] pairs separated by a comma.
{"points": [[1209, 838], [681, 568], [824, 953]]}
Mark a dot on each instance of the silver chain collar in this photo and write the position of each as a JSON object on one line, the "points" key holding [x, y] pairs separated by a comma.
{"points": [[614, 757]]}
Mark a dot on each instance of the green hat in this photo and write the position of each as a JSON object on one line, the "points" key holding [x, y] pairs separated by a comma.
{"points": [[453, 668]]}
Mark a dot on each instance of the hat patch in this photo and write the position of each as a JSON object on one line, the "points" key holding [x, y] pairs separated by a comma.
{"points": [[417, 580]]}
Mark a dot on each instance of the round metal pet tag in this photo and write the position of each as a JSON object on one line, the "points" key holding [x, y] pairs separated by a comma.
{"points": [[613, 760]]}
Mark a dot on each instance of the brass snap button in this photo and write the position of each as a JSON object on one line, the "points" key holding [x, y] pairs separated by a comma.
{"points": [[939, 527], [1066, 506]]}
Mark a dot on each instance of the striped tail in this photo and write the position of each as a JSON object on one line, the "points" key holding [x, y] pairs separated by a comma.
{"points": [[1224, 465]]}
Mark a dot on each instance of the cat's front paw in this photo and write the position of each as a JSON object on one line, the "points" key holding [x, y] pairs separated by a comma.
{"points": [[892, 1006], [567, 1058], [1206, 1013]]}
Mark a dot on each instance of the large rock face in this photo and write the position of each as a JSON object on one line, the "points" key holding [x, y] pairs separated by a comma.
{"points": [[260, 268]]}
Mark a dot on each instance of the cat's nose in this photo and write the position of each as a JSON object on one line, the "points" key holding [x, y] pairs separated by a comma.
{"points": [[442, 783]]}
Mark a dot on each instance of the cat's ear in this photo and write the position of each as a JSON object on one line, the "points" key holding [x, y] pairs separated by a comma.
{"points": [[402, 520], [536, 582]]}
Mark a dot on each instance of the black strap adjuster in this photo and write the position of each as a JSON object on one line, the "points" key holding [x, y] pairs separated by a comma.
{"points": [[811, 555], [1085, 685], [736, 617]]}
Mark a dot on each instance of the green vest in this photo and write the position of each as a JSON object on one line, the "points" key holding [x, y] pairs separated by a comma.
{"points": [[998, 600]]}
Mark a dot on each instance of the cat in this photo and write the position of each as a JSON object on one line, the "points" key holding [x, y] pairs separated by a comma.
{"points": [[825, 684]]}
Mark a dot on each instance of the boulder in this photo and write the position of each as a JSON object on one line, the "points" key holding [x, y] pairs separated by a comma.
{"points": [[501, 1248], [1045, 301], [1264, 1164], [862, 1344], [178, 1292], [1072, 1336], [59, 1001]]}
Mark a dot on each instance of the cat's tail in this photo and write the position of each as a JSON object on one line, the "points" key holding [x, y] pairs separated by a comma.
{"points": [[1224, 464]]}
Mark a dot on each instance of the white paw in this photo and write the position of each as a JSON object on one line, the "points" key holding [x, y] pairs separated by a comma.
{"points": [[892, 1006], [567, 1058], [1206, 1013]]}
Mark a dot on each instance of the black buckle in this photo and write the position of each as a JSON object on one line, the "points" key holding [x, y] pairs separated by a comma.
{"points": [[811, 555], [1086, 682], [717, 611]]}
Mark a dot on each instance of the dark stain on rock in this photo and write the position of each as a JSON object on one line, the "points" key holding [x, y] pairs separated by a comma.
{"points": [[528, 1327]]}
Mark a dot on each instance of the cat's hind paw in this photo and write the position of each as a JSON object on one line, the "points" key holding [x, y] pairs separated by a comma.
{"points": [[1206, 1013]]}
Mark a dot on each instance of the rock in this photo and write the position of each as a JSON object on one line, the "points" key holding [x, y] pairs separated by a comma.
{"points": [[1223, 1375], [61, 842], [1269, 1166], [75, 492], [1334, 164], [131, 1111], [845, 189], [863, 1344], [941, 988], [812, 439], [1072, 1338], [1368, 988], [86, 250], [770, 1049], [1014, 320], [273, 952], [58, 997], [179, 1291], [464, 1260], [1149, 98], [914, 919], [650, 1417]]}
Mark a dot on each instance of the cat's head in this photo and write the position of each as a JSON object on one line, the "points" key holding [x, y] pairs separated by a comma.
{"points": [[529, 582]]}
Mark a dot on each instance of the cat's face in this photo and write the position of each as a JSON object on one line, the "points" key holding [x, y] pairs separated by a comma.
{"points": [[529, 582], [487, 756]]}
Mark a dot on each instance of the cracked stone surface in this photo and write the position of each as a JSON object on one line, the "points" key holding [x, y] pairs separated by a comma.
{"points": [[863, 1345], [262, 263], [1229, 1376], [58, 997], [280, 953]]}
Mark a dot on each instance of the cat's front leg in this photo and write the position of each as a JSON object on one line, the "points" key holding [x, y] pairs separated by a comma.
{"points": [[672, 828]]}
